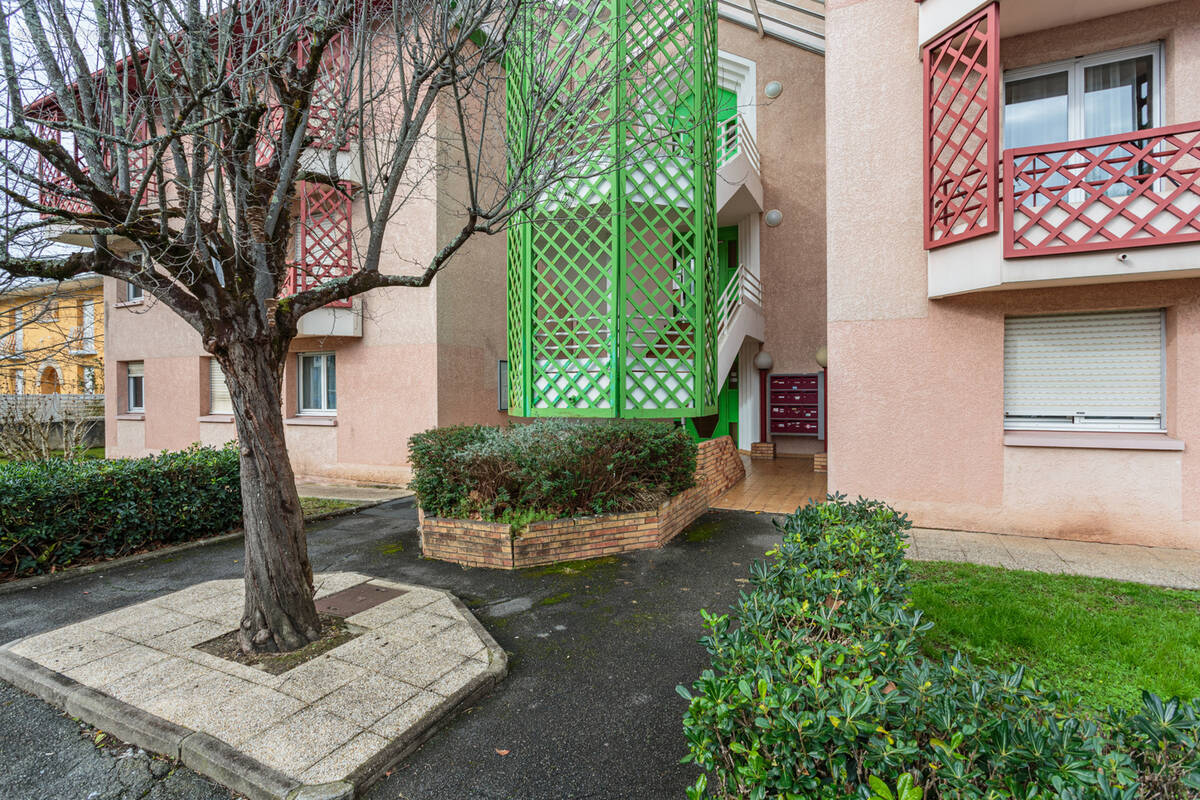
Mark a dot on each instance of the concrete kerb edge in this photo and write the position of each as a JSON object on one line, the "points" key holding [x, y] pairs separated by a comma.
{"points": [[199, 751], [224, 763], [35, 581]]}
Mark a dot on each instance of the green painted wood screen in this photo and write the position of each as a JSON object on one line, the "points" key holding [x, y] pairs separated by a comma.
{"points": [[612, 274]]}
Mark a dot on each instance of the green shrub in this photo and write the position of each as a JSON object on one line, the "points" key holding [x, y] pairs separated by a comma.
{"points": [[818, 691], [549, 468], [55, 513]]}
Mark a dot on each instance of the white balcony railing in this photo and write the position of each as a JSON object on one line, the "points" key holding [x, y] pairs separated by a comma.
{"points": [[743, 288], [734, 138]]}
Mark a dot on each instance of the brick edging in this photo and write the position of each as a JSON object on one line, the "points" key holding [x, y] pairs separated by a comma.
{"points": [[478, 543]]}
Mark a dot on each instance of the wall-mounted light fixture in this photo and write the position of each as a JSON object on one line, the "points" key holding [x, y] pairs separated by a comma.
{"points": [[773, 89], [773, 218]]}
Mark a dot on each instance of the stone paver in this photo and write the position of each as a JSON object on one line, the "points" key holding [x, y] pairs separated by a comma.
{"points": [[775, 486], [318, 722], [1160, 566]]}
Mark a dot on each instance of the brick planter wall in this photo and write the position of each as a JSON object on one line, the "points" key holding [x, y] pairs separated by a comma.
{"points": [[475, 543]]}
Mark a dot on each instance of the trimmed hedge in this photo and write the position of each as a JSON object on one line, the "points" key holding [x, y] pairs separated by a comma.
{"points": [[549, 468], [818, 690], [55, 513]]}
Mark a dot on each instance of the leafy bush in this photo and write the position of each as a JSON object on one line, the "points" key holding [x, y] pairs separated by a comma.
{"points": [[549, 468], [818, 691], [55, 513]]}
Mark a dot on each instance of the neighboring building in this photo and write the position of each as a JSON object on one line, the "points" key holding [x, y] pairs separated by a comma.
{"points": [[1014, 264], [363, 378], [52, 337]]}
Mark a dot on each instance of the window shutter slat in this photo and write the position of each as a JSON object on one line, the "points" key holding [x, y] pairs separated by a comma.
{"points": [[218, 390], [1103, 367]]}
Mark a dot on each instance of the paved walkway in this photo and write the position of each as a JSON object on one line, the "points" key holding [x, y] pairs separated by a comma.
{"points": [[776, 486], [1155, 565], [337, 491], [589, 708]]}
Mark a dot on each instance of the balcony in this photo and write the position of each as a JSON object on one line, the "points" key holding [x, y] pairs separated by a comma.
{"points": [[1090, 211], [739, 181], [323, 250]]}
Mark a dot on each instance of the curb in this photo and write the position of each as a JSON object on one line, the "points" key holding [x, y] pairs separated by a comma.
{"points": [[35, 581], [224, 763]]}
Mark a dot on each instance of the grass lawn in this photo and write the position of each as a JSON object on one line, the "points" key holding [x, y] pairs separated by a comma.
{"points": [[1105, 640], [311, 506]]}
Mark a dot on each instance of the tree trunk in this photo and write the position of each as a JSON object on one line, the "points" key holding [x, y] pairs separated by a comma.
{"points": [[279, 613]]}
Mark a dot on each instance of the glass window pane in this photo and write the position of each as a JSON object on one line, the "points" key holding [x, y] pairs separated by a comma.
{"points": [[1036, 110], [330, 383], [1117, 97], [310, 383]]}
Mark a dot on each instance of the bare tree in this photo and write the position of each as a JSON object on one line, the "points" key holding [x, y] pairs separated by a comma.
{"points": [[171, 138]]}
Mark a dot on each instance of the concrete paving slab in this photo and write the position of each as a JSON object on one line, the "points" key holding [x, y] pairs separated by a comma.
{"points": [[336, 721]]}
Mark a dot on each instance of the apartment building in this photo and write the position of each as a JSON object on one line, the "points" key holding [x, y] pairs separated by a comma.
{"points": [[1014, 264], [52, 337], [364, 376]]}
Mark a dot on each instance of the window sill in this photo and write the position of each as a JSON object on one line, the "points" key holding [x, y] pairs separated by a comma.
{"points": [[132, 416], [1092, 439], [327, 422], [215, 418], [129, 303]]}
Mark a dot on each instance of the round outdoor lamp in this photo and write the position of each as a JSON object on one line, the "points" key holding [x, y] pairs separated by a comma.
{"points": [[823, 357], [773, 218], [773, 89]]}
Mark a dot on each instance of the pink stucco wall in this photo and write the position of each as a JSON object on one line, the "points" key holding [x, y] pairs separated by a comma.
{"points": [[916, 413]]}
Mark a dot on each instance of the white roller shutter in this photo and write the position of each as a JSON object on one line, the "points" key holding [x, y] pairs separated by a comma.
{"points": [[1100, 371], [218, 390]]}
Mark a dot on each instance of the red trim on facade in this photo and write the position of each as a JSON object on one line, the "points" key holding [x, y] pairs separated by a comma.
{"points": [[961, 130], [1105, 193]]}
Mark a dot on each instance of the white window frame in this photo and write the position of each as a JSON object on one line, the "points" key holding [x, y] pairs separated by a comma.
{"points": [[1105, 424], [322, 410], [129, 387], [1075, 67], [89, 380]]}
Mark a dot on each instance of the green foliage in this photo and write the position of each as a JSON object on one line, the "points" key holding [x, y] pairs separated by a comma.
{"points": [[1087, 636], [818, 685], [549, 468], [55, 513]]}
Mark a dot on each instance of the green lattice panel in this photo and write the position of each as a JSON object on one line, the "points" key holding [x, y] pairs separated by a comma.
{"points": [[612, 273]]}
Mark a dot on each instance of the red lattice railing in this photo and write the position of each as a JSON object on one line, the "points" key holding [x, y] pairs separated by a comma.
{"points": [[961, 130], [324, 248], [62, 192], [326, 107], [1112, 192]]}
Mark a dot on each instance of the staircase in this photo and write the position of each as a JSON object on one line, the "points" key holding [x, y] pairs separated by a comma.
{"points": [[739, 314]]}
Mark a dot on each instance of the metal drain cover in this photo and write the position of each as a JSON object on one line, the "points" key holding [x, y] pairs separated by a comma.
{"points": [[357, 598]]}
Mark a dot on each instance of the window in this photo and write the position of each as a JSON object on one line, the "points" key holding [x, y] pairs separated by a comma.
{"points": [[89, 380], [1100, 371], [219, 401], [1099, 95], [318, 383], [135, 399], [502, 385], [135, 293]]}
